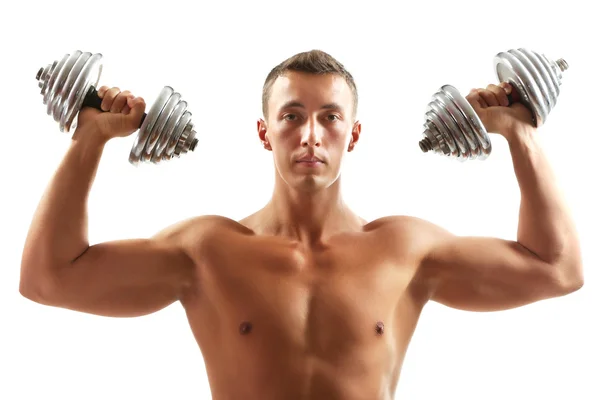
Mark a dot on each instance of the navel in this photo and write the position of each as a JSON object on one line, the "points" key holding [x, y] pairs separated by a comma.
{"points": [[379, 328], [245, 328]]}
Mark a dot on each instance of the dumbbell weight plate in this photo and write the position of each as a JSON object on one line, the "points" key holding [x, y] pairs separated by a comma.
{"points": [[165, 124], [510, 68], [453, 128], [479, 135], [535, 78], [173, 128], [65, 83], [148, 134], [467, 139], [88, 76], [174, 142], [455, 122], [540, 70]]}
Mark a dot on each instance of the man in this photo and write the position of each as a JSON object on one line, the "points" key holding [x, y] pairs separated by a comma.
{"points": [[303, 299]]}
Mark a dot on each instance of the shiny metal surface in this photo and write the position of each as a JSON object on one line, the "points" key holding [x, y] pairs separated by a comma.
{"points": [[534, 76], [65, 83], [167, 131], [452, 127]]}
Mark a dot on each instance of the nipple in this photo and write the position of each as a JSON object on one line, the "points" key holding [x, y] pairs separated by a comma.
{"points": [[245, 328], [379, 328]]}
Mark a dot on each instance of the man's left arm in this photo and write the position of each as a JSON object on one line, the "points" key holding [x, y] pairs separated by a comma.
{"points": [[485, 274]]}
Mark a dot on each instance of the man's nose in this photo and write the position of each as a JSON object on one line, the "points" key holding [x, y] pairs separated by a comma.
{"points": [[311, 136]]}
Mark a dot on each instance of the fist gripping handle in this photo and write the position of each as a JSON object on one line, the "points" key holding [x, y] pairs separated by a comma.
{"points": [[93, 100]]}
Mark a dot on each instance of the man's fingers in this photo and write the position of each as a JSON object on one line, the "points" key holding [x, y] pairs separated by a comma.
{"points": [[137, 106], [488, 97], [475, 99], [102, 90], [109, 97], [120, 101], [500, 94]]}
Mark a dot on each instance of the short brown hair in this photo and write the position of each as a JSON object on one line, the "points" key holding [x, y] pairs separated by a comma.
{"points": [[312, 62]]}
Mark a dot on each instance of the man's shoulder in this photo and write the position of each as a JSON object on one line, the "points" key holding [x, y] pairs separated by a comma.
{"points": [[420, 235], [195, 228], [402, 224]]}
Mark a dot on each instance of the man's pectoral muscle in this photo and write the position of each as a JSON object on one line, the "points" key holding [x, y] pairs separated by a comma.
{"points": [[124, 278], [486, 273]]}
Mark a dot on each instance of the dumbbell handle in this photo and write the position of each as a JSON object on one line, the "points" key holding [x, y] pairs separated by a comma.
{"points": [[93, 100]]}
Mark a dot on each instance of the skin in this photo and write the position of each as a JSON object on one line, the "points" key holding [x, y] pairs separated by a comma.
{"points": [[302, 299]]}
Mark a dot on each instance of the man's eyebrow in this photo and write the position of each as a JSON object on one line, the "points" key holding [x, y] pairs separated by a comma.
{"points": [[292, 103], [296, 103]]}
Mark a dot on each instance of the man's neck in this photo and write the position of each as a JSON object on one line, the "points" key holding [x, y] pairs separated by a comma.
{"points": [[309, 216]]}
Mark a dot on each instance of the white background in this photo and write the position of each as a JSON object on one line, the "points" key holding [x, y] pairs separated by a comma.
{"points": [[218, 55]]}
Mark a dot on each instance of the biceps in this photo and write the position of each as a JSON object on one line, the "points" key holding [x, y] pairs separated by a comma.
{"points": [[488, 274], [122, 279]]}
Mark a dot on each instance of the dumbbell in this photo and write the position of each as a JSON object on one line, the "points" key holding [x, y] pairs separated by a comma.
{"points": [[452, 127], [68, 85]]}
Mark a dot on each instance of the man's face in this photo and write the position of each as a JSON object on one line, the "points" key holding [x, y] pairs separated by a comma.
{"points": [[309, 118]]}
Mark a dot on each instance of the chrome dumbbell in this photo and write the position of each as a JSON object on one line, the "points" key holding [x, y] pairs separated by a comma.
{"points": [[68, 85], [453, 129]]}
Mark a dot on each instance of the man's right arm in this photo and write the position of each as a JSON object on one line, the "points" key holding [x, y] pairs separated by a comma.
{"points": [[119, 278]]}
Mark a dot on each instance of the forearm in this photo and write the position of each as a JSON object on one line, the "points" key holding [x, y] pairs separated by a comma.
{"points": [[58, 231], [545, 224]]}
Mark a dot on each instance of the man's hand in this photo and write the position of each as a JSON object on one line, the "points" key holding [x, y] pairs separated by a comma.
{"points": [[120, 116], [492, 106]]}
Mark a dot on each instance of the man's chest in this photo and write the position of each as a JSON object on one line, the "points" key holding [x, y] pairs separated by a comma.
{"points": [[326, 300]]}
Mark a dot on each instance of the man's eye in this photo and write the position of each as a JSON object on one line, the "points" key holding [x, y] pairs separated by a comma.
{"points": [[332, 117], [290, 117]]}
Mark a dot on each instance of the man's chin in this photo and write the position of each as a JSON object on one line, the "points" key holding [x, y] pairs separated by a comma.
{"points": [[311, 183]]}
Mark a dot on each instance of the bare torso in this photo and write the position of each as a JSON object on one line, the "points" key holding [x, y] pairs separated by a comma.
{"points": [[277, 320], [275, 317]]}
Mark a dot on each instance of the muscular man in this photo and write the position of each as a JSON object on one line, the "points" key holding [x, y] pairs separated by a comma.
{"points": [[303, 299]]}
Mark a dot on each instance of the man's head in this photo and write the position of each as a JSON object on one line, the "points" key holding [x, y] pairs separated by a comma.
{"points": [[310, 103]]}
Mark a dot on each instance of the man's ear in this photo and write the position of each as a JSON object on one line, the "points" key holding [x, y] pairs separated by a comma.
{"points": [[261, 127], [355, 135]]}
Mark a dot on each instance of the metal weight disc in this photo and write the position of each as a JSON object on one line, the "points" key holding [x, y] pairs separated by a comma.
{"points": [[445, 122], [59, 86], [536, 79], [158, 129], [453, 128], [462, 125], [184, 121], [484, 144], [64, 85], [510, 69], [89, 76], [49, 82], [71, 86], [168, 131], [537, 82], [161, 133], [439, 127], [139, 143], [187, 141], [548, 89]]}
